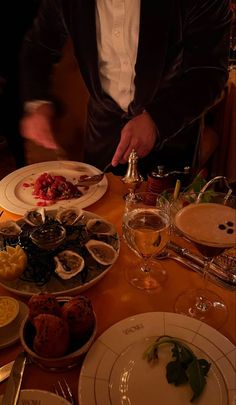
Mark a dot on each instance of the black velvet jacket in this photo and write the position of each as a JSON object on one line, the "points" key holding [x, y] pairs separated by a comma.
{"points": [[14, 23], [181, 69]]}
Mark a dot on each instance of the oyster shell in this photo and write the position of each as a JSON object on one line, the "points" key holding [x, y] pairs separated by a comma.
{"points": [[68, 216], [68, 264], [102, 252], [9, 228], [99, 226], [35, 217]]}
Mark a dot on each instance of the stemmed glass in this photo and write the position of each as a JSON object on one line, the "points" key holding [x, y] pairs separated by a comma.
{"points": [[209, 223], [146, 224]]}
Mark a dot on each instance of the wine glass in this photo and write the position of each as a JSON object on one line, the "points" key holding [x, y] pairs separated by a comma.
{"points": [[209, 223], [146, 225]]}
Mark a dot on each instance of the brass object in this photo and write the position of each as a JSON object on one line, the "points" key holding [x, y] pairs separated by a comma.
{"points": [[132, 178]]}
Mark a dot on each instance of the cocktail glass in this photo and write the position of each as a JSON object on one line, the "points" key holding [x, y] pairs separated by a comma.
{"points": [[209, 223], [146, 230]]}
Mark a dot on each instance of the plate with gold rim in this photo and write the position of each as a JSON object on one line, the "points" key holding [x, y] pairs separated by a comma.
{"points": [[16, 189], [114, 371]]}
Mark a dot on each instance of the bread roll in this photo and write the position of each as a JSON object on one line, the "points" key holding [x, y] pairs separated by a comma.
{"points": [[43, 304], [78, 312], [52, 336]]}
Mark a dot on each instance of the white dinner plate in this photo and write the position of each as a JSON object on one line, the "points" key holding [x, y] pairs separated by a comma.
{"points": [[56, 285], [12, 333], [114, 371], [39, 397], [16, 188]]}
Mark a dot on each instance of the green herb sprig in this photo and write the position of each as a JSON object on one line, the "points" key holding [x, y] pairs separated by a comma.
{"points": [[185, 368]]}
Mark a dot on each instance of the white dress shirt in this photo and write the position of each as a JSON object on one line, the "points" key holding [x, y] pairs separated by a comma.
{"points": [[117, 28], [117, 25]]}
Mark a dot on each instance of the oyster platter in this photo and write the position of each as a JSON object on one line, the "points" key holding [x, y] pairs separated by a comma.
{"points": [[62, 251]]}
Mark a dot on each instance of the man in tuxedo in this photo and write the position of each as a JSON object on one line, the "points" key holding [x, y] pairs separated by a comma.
{"points": [[152, 69], [15, 21]]}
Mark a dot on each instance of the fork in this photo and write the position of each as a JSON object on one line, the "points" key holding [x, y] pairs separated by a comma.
{"points": [[87, 181], [63, 390]]}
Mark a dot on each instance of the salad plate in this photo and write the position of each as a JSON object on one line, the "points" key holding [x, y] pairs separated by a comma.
{"points": [[40, 276], [16, 189], [115, 372]]}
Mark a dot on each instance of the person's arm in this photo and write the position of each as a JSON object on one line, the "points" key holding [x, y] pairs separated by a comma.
{"points": [[204, 68], [41, 50]]}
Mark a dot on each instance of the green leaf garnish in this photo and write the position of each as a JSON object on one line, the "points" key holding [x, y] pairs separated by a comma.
{"points": [[185, 366]]}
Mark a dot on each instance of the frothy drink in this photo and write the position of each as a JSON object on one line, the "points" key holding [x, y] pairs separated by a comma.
{"points": [[209, 225]]}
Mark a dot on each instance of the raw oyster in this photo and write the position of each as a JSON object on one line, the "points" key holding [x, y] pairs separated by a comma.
{"points": [[102, 252], [68, 216], [10, 228], [68, 264], [99, 226], [35, 217]]}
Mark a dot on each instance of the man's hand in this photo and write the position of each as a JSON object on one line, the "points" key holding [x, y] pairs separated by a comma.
{"points": [[38, 126], [140, 134]]}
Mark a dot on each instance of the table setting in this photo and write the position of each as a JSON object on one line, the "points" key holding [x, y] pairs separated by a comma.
{"points": [[92, 284]]}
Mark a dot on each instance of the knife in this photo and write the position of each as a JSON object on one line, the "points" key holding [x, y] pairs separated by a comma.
{"points": [[12, 391], [5, 371], [215, 271]]}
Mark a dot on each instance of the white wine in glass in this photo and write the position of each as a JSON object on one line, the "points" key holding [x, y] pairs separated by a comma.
{"points": [[146, 230]]}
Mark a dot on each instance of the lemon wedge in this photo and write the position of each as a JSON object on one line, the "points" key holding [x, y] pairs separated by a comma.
{"points": [[13, 262]]}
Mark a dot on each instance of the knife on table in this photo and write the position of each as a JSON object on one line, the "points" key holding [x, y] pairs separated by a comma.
{"points": [[12, 391], [5, 371], [196, 262]]}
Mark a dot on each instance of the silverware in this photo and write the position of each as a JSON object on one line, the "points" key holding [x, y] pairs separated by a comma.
{"points": [[62, 389], [214, 269], [87, 181], [12, 391], [5, 371], [196, 263], [187, 263]]}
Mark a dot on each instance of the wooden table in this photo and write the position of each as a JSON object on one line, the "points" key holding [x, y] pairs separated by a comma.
{"points": [[114, 299]]}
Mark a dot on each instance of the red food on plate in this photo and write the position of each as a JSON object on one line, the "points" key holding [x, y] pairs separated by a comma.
{"points": [[50, 187]]}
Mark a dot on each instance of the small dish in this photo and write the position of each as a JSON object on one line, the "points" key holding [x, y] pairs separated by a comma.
{"points": [[74, 356], [9, 310], [48, 236], [12, 331]]}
